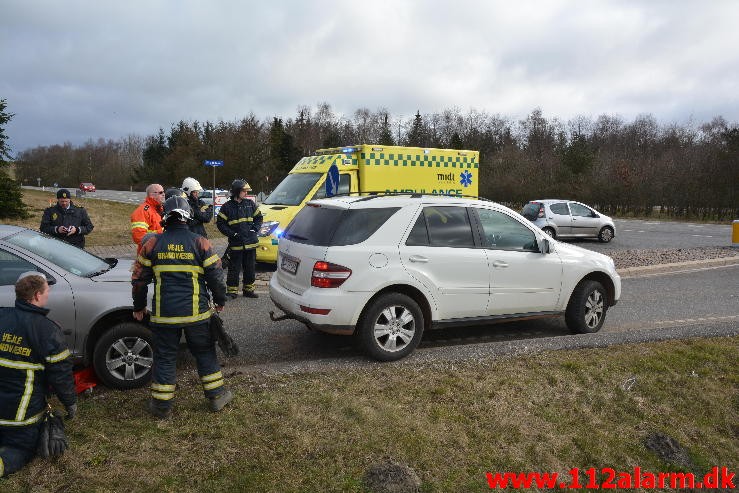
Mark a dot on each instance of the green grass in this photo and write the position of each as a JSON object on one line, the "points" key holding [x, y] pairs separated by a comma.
{"points": [[112, 220], [450, 422]]}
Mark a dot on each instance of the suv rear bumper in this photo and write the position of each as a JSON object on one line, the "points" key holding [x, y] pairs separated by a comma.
{"points": [[345, 307]]}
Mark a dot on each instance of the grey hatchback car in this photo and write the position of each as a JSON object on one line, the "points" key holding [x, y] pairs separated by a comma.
{"points": [[90, 298], [569, 219]]}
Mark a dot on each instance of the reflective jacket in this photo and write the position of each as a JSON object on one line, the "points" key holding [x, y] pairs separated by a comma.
{"points": [[33, 356], [183, 267], [147, 218], [240, 222], [56, 216], [201, 213]]}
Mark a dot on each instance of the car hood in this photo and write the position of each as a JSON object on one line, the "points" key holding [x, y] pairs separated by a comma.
{"points": [[568, 251], [120, 273]]}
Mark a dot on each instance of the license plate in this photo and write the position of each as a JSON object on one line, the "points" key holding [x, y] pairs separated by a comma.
{"points": [[289, 264]]}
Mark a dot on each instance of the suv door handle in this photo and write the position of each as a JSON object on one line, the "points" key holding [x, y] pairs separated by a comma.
{"points": [[500, 263], [418, 258]]}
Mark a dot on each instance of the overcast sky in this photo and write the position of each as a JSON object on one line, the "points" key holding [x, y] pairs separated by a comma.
{"points": [[77, 70]]}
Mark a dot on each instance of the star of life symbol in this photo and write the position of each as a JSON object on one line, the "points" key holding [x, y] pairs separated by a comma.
{"points": [[465, 178]]}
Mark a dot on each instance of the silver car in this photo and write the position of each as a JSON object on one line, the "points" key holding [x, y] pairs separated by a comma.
{"points": [[569, 219], [90, 299]]}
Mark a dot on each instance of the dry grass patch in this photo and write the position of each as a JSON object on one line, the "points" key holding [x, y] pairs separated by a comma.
{"points": [[449, 423], [112, 220]]}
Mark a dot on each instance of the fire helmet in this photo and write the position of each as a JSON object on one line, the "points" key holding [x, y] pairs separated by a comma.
{"points": [[239, 185], [191, 185], [177, 208]]}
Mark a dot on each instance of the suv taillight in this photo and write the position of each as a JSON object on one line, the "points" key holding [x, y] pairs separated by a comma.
{"points": [[328, 275]]}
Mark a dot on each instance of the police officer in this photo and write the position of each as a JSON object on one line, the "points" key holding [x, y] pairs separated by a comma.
{"points": [[201, 212], [182, 265], [66, 221], [33, 358], [239, 219]]}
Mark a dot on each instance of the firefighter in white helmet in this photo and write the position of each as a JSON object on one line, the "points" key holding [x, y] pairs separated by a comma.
{"points": [[201, 212]]}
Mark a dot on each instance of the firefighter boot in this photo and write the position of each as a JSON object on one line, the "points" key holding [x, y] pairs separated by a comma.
{"points": [[159, 411], [249, 293], [219, 402]]}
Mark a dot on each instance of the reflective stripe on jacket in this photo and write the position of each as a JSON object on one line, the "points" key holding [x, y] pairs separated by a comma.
{"points": [[184, 268], [33, 356]]}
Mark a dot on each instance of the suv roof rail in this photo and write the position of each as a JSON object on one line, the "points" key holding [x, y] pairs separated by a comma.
{"points": [[371, 194]]}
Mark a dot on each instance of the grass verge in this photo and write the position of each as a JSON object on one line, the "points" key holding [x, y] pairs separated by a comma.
{"points": [[112, 220], [450, 423]]}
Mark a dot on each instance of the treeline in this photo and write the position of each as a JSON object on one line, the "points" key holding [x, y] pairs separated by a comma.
{"points": [[625, 167]]}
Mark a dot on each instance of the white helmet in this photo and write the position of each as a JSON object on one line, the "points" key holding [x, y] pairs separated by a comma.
{"points": [[191, 185]]}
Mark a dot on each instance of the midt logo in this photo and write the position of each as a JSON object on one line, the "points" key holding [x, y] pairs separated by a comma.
{"points": [[446, 177]]}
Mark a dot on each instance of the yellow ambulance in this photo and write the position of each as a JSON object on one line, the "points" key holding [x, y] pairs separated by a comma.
{"points": [[364, 169]]}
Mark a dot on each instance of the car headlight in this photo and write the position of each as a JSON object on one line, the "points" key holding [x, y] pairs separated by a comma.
{"points": [[268, 228]]}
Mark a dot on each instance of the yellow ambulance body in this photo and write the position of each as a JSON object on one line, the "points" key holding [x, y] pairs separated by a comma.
{"points": [[365, 169]]}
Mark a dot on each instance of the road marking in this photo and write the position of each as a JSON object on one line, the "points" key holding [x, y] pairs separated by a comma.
{"points": [[703, 236], [682, 271], [696, 320]]}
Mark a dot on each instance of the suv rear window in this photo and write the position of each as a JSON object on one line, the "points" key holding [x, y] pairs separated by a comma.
{"points": [[324, 226]]}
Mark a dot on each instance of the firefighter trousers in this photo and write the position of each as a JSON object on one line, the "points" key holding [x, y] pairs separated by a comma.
{"points": [[201, 344], [241, 260], [17, 447]]}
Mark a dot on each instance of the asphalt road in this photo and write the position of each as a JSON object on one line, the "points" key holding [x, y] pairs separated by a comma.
{"points": [[652, 307]]}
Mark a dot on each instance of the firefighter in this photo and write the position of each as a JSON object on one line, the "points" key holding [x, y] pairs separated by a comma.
{"points": [[239, 219], [33, 359], [201, 212], [66, 221], [182, 265], [147, 217]]}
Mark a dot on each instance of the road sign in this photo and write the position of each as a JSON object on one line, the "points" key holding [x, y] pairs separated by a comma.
{"points": [[209, 162], [332, 181]]}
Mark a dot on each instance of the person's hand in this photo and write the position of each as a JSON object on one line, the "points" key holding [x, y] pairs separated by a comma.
{"points": [[61, 229], [219, 308], [139, 315], [71, 411], [71, 230]]}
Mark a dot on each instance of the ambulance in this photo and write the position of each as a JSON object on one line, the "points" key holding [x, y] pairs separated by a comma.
{"points": [[364, 169]]}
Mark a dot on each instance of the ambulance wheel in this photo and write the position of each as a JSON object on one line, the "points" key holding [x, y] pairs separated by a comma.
{"points": [[123, 356]]}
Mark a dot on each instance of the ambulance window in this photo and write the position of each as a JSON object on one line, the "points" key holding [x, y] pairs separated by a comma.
{"points": [[345, 186], [293, 189]]}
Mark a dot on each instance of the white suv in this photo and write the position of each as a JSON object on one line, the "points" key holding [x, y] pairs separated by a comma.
{"points": [[386, 268]]}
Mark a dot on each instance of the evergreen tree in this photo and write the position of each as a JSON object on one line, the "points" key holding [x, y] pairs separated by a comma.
{"points": [[416, 136], [283, 153], [11, 195], [386, 134], [155, 153]]}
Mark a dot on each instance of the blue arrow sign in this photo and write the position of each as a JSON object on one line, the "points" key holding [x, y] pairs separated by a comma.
{"points": [[332, 181], [212, 163]]}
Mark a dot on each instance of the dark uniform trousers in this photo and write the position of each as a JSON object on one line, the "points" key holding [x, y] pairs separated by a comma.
{"points": [[17, 447], [202, 346], [242, 259]]}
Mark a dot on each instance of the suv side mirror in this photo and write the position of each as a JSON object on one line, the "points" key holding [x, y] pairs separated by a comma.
{"points": [[545, 246]]}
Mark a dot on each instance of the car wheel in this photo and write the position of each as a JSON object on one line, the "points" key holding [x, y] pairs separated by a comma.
{"points": [[124, 355], [391, 327], [587, 308], [605, 235], [550, 232]]}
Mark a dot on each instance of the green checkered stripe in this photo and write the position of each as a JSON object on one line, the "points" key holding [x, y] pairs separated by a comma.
{"points": [[421, 160], [320, 160]]}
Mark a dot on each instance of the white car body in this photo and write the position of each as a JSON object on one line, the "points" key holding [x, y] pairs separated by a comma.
{"points": [[453, 285]]}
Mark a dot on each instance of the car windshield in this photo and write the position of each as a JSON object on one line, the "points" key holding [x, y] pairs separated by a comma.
{"points": [[293, 189], [66, 256]]}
